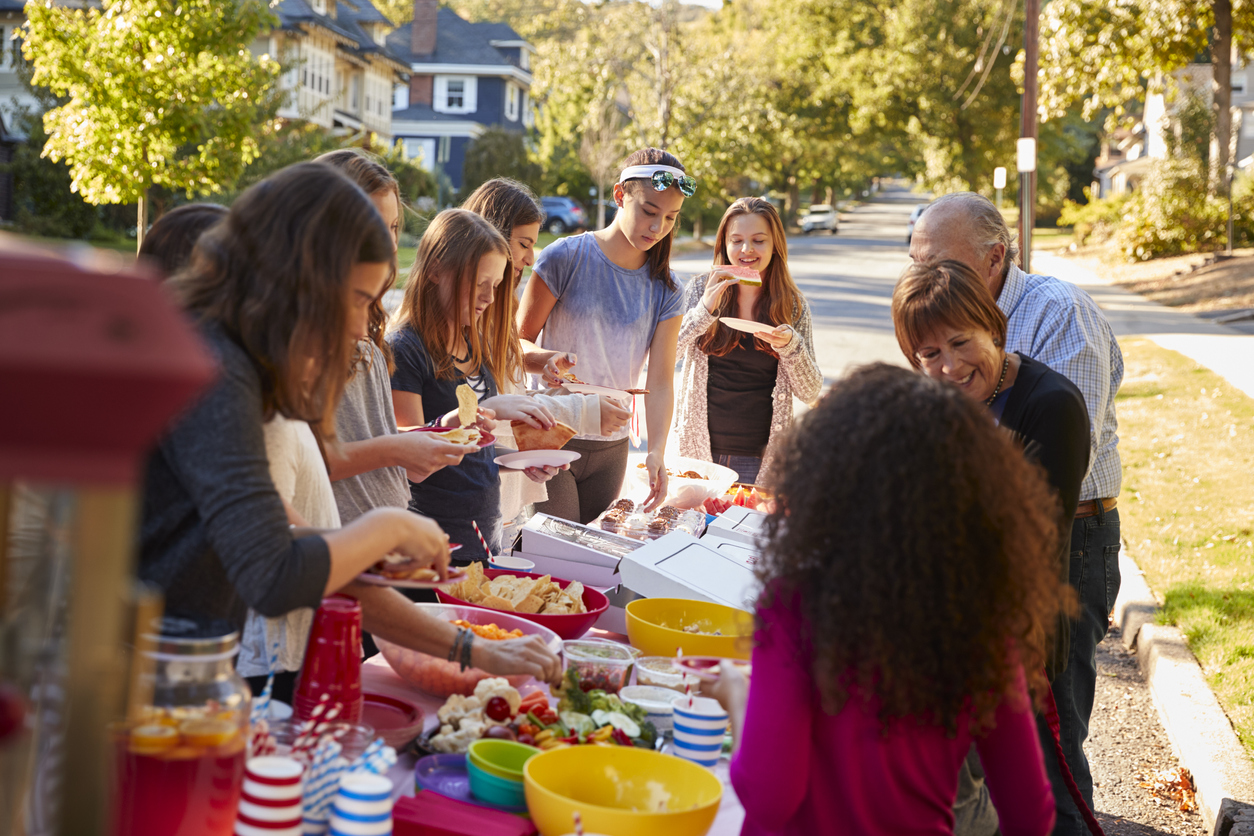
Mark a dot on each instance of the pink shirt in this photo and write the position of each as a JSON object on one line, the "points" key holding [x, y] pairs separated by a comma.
{"points": [[801, 771]]}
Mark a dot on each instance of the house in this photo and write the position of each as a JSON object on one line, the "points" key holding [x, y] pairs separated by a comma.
{"points": [[14, 96], [464, 78], [342, 71]]}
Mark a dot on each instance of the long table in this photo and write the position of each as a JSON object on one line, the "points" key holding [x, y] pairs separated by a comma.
{"points": [[379, 678]]}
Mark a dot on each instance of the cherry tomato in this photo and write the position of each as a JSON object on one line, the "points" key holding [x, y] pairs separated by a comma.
{"points": [[500, 733], [498, 709], [527, 738]]}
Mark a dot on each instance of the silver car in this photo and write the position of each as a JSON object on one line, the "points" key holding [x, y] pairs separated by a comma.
{"points": [[820, 216], [914, 219]]}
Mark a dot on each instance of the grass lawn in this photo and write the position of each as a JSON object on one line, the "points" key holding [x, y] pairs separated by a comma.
{"points": [[1187, 511]]}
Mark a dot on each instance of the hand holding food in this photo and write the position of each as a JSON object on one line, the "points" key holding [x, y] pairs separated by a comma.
{"points": [[425, 546], [658, 482], [714, 287], [521, 409], [731, 689], [557, 367], [422, 454], [552, 437], [521, 656], [613, 416]]}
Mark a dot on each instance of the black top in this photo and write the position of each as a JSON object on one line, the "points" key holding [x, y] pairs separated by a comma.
{"points": [[1046, 412], [472, 490], [738, 392], [214, 535]]}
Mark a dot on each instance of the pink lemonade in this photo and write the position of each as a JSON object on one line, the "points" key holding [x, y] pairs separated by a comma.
{"points": [[178, 791]]}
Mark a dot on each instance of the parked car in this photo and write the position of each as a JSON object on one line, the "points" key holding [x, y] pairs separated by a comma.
{"points": [[820, 216], [914, 219], [561, 215], [611, 209]]}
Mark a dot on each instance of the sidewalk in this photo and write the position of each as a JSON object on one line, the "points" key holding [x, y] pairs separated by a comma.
{"points": [[1200, 731]]}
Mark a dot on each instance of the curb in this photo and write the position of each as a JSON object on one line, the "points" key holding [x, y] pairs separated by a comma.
{"points": [[1196, 724]]}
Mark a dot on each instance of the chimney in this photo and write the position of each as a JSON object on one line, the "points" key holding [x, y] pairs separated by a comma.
{"points": [[422, 41], [420, 89]]}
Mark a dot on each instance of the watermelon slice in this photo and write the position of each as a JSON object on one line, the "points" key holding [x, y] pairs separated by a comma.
{"points": [[747, 275]]}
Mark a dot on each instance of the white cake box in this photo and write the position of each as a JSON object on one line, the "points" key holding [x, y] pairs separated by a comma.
{"points": [[681, 566], [738, 524], [569, 541], [572, 570]]}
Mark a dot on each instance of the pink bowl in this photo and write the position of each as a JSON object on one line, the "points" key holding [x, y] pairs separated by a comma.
{"points": [[567, 626], [439, 677]]}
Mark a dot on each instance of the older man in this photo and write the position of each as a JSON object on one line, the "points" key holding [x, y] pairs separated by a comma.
{"points": [[1060, 325]]}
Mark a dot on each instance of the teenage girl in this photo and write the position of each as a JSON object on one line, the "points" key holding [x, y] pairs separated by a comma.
{"points": [[512, 208], [910, 587], [281, 290], [443, 338], [737, 388], [609, 300]]}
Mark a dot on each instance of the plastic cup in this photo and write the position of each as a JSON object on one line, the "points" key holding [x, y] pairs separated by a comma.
{"points": [[332, 661], [274, 778], [364, 795], [699, 729], [243, 829], [267, 813], [506, 561]]}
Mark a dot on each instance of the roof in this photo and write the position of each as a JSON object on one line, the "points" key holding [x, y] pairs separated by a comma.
{"points": [[347, 24], [12, 5], [458, 42], [363, 11]]}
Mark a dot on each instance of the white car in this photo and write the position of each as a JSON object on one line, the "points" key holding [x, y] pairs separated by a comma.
{"points": [[820, 216], [914, 219]]}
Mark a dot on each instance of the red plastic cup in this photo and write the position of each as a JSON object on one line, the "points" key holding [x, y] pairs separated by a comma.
{"points": [[332, 661]]}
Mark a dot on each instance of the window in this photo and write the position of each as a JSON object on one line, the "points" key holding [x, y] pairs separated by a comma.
{"points": [[455, 94], [524, 58], [421, 151], [528, 117], [6, 47], [354, 93], [511, 102], [442, 154], [319, 6]]}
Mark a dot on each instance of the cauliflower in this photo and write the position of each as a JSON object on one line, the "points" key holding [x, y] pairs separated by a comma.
{"points": [[498, 687], [457, 707]]}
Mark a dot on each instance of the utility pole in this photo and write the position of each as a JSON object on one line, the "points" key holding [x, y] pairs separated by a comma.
{"points": [[1027, 130]]}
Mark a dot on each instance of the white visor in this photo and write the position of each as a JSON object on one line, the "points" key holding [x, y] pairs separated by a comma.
{"points": [[634, 172]]}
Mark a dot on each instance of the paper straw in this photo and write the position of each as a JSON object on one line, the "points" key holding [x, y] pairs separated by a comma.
{"points": [[482, 541], [578, 824], [378, 758]]}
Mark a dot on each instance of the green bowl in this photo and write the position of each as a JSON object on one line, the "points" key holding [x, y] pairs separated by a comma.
{"points": [[495, 790], [502, 758]]}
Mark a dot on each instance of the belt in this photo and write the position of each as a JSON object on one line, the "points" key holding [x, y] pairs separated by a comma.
{"points": [[1088, 508]]}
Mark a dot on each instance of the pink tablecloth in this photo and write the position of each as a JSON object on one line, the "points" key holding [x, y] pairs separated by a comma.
{"points": [[377, 677]]}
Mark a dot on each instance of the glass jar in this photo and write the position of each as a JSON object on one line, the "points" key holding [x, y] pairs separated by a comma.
{"points": [[180, 755]]}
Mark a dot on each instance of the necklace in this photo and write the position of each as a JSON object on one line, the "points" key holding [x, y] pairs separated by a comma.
{"points": [[457, 359], [1005, 364]]}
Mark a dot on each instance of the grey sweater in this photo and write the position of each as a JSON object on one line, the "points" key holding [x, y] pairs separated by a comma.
{"points": [[214, 536]]}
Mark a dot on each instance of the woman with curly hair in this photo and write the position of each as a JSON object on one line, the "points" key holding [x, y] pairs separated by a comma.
{"points": [[874, 670]]}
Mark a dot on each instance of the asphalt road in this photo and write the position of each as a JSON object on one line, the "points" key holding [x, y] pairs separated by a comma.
{"points": [[848, 279]]}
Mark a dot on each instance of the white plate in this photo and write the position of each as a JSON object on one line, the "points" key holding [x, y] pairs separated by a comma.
{"points": [[536, 458], [593, 389], [746, 325], [379, 580]]}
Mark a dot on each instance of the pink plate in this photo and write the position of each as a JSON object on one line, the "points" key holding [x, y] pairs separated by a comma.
{"points": [[398, 721], [485, 439]]}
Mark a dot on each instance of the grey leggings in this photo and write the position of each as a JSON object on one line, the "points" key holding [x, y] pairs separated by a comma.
{"points": [[591, 484]]}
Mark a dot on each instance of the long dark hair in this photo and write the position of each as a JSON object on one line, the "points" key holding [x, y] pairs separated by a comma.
{"points": [[920, 547], [659, 259], [373, 177], [274, 275], [170, 241], [780, 298]]}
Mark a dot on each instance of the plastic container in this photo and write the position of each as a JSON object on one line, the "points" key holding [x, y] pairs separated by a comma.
{"points": [[354, 737], [600, 664], [685, 492], [502, 758], [493, 789], [654, 700], [660, 672], [439, 677], [657, 626], [332, 661]]}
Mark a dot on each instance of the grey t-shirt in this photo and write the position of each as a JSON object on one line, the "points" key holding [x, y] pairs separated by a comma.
{"points": [[366, 412], [605, 314]]}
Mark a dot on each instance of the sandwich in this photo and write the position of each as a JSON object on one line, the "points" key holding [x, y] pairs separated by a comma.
{"points": [[399, 567], [747, 275], [530, 438]]}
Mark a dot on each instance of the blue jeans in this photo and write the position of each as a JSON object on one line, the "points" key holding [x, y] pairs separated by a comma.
{"points": [[746, 466], [1095, 576]]}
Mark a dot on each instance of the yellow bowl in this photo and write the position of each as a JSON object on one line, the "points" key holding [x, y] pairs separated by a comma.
{"points": [[621, 791], [655, 625]]}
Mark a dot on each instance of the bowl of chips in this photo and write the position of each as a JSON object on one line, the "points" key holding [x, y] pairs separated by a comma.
{"points": [[441, 678], [568, 608]]}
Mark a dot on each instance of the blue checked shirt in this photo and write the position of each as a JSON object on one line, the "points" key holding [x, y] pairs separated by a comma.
{"points": [[1061, 326]]}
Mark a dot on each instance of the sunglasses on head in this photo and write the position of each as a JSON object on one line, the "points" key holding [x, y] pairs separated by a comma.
{"points": [[663, 180]]}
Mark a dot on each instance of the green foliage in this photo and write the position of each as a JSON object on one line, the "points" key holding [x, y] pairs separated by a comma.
{"points": [[1096, 221], [158, 92], [42, 200], [498, 153], [1171, 213]]}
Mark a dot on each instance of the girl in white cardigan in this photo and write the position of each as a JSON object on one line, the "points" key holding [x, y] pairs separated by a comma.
{"points": [[736, 388]]}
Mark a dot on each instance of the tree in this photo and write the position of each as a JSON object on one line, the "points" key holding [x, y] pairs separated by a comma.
{"points": [[498, 153], [1105, 55], [160, 92]]}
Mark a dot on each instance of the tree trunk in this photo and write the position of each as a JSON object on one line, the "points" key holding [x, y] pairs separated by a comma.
{"points": [[696, 226], [141, 221], [794, 199], [600, 205], [1221, 87]]}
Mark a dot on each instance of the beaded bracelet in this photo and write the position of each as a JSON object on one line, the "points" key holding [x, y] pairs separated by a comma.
{"points": [[455, 650], [465, 660]]}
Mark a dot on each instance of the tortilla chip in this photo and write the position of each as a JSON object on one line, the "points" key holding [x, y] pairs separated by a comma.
{"points": [[496, 603], [472, 594], [467, 405], [575, 593], [529, 438], [530, 605], [462, 435]]}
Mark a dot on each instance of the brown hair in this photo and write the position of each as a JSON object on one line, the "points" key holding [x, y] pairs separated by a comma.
{"points": [[274, 275], [928, 296], [170, 241], [450, 251], [926, 573], [780, 298], [373, 177], [505, 204], [659, 259]]}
